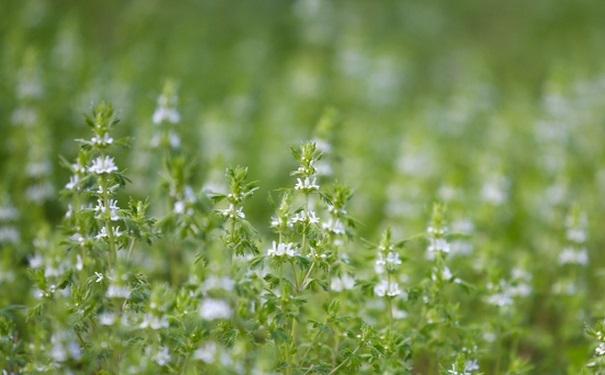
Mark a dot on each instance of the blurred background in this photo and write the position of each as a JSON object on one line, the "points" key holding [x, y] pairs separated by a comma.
{"points": [[444, 90]]}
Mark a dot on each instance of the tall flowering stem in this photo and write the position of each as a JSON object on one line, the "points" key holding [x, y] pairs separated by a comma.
{"points": [[239, 234], [106, 176], [306, 183]]}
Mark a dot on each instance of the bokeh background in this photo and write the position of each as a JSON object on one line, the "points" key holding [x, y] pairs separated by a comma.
{"points": [[478, 82]]}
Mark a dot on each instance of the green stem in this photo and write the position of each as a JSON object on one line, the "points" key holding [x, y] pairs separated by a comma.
{"points": [[304, 281], [345, 361], [294, 275], [130, 247], [314, 341], [107, 218]]}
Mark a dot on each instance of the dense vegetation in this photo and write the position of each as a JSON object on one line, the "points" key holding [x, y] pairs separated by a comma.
{"points": [[302, 187]]}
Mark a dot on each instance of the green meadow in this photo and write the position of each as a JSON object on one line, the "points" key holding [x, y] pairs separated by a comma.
{"points": [[302, 187]]}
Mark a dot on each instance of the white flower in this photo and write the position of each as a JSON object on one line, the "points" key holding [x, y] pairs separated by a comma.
{"points": [[99, 276], [471, 365], [213, 283], [170, 115], [9, 234], [344, 282], [495, 191], [280, 221], [174, 139], [103, 232], [36, 261], [438, 244], [179, 207], [453, 371], [500, 299], [281, 249], [113, 209], [307, 184], [335, 226], [153, 322], [379, 264], [107, 318], [102, 164], [576, 235], [436, 231], [211, 309], [73, 181], [117, 291], [600, 350], [106, 140], [206, 353], [390, 289], [570, 255], [233, 213], [393, 258], [304, 218], [162, 357]]}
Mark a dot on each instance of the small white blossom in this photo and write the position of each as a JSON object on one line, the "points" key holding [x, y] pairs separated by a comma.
{"points": [[103, 164], [344, 282], [174, 139], [469, 366], [162, 357], [206, 353], [335, 226], [233, 213], [386, 288], [165, 113], [106, 140], [379, 264], [73, 182], [107, 318], [153, 322], [304, 218], [495, 191], [282, 249], [103, 232], [36, 261], [438, 244], [443, 274], [393, 258], [280, 221], [113, 209], [600, 350], [8, 213], [307, 184], [573, 256], [211, 309], [213, 282], [179, 207], [436, 232], [577, 235], [9, 234], [117, 291]]}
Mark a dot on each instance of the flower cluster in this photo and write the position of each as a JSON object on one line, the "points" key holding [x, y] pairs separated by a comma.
{"points": [[165, 115], [503, 292], [239, 235], [166, 110], [575, 251], [282, 249], [388, 262]]}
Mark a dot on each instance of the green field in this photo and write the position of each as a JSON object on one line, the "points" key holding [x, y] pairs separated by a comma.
{"points": [[302, 187]]}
